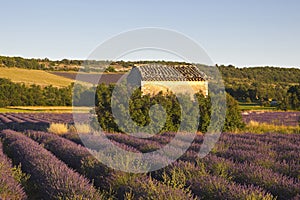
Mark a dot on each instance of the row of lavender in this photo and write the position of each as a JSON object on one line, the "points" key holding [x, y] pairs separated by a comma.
{"points": [[66, 118], [175, 180], [277, 118], [242, 173], [50, 178], [275, 151], [269, 161], [10, 188], [229, 172]]}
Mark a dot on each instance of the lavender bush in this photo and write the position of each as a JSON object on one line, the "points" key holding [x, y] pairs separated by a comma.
{"points": [[268, 161], [245, 173], [240, 166], [9, 187], [206, 186], [51, 178], [215, 187], [122, 183], [75, 156]]}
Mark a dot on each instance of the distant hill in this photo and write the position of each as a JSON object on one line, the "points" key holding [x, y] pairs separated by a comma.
{"points": [[64, 64], [230, 73], [260, 85], [41, 64], [265, 74]]}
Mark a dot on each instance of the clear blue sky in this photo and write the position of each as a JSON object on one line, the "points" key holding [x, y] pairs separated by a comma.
{"points": [[238, 32]]}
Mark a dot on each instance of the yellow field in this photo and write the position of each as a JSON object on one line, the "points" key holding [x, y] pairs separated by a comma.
{"points": [[47, 109], [38, 77]]}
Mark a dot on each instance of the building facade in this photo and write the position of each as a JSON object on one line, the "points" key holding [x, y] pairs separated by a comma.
{"points": [[184, 79]]}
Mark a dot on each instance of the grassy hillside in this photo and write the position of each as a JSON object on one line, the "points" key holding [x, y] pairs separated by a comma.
{"points": [[30, 77]]}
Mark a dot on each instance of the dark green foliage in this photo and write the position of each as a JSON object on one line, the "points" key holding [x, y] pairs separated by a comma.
{"points": [[139, 107], [292, 99], [233, 120], [41, 64], [20, 62], [16, 94], [110, 69], [259, 84], [261, 74], [103, 108], [204, 111]]}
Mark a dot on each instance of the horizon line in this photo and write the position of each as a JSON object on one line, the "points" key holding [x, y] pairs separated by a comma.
{"points": [[134, 60]]}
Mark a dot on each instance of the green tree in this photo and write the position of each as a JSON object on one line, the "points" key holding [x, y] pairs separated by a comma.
{"points": [[233, 120]]}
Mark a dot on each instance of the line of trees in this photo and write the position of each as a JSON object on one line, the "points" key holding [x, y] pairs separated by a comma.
{"points": [[20, 63], [139, 109], [260, 74], [257, 92], [40, 64], [285, 97], [17, 94], [292, 99], [261, 85]]}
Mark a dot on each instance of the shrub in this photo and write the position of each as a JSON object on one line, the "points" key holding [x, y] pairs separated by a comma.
{"points": [[233, 120], [245, 173], [58, 128], [80, 128], [195, 178], [213, 187], [139, 108], [143, 187]]}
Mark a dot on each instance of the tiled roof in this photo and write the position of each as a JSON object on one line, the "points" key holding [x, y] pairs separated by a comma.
{"points": [[157, 72]]}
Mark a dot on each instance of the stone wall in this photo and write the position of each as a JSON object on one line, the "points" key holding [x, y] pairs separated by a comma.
{"points": [[177, 87]]}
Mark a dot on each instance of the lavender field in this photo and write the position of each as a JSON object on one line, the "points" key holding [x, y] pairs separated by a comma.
{"points": [[40, 117], [277, 118], [240, 166]]}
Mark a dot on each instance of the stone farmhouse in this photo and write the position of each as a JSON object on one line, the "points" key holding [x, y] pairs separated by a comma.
{"points": [[184, 79]]}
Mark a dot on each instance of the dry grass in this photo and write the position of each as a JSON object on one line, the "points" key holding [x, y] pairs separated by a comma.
{"points": [[256, 127], [58, 128], [80, 128], [38, 77]]}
